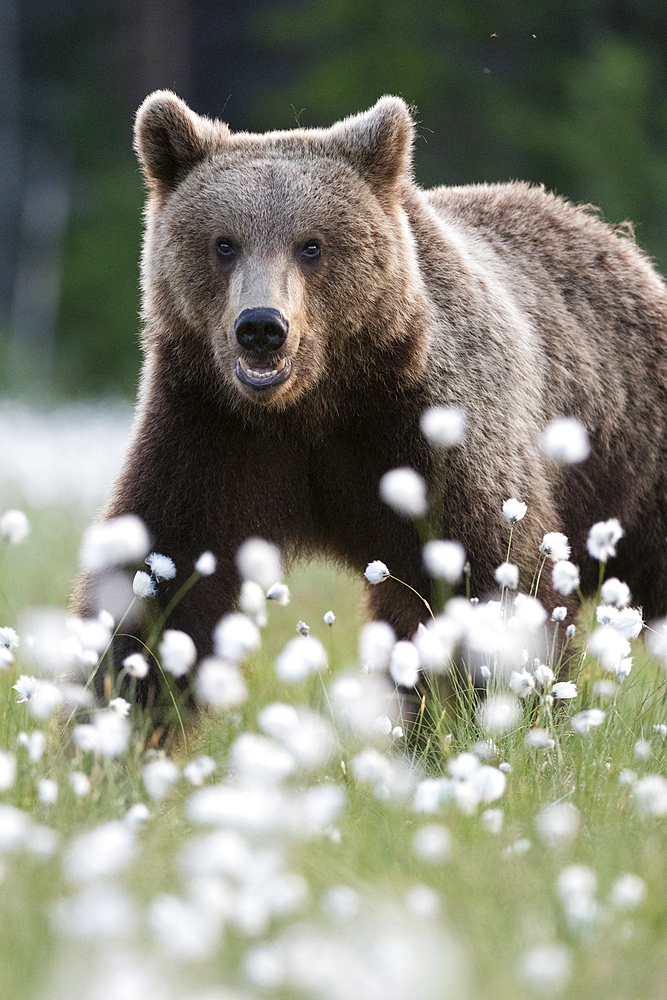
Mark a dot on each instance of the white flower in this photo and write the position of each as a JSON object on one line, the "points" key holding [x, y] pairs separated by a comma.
{"points": [[521, 683], [589, 719], [159, 775], [628, 892], [376, 641], [623, 669], [303, 628], [162, 567], [404, 664], [300, 657], [8, 638], [432, 843], [206, 565], [608, 646], [565, 440], [47, 791], [259, 560], [177, 652], [104, 850], [235, 636], [443, 426], [199, 769], [492, 820], [499, 713], [529, 612], [422, 901], [444, 560], [279, 593], [376, 572], [220, 684], [79, 783], [329, 618], [544, 675], [135, 665], [14, 526], [556, 546], [120, 706], [629, 622], [45, 699], [547, 968], [108, 734], [570, 630], [253, 602], [507, 575], [558, 823], [25, 688], [614, 592], [143, 585], [514, 510], [559, 614], [564, 690], [7, 770], [539, 739], [35, 744], [565, 577], [602, 539], [118, 542], [404, 491], [650, 793]]}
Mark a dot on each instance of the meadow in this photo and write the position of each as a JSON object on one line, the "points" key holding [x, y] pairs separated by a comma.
{"points": [[301, 840]]}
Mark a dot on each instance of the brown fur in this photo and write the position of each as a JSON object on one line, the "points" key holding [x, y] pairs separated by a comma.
{"points": [[502, 299]]}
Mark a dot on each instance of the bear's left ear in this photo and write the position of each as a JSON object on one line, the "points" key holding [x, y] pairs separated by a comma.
{"points": [[378, 142]]}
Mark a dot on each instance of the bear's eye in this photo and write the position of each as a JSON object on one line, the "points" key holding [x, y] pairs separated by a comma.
{"points": [[225, 250], [311, 251]]}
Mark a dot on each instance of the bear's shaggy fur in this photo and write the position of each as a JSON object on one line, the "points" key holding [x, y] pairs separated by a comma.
{"points": [[503, 300]]}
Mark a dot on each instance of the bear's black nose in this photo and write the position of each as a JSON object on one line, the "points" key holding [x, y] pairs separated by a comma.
{"points": [[261, 330]]}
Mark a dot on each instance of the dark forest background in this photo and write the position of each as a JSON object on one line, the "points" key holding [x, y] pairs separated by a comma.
{"points": [[572, 94]]}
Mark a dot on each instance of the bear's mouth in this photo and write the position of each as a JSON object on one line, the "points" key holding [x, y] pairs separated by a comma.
{"points": [[263, 376]]}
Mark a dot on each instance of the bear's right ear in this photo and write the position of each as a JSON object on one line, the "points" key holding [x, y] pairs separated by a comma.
{"points": [[170, 139]]}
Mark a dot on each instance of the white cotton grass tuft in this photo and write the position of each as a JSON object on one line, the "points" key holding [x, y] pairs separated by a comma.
{"points": [[376, 572], [376, 641], [444, 560], [564, 690], [404, 664], [199, 769], [443, 426], [161, 567], [565, 577], [499, 714], [300, 658], [514, 510], [650, 795], [136, 665], [279, 593], [329, 618], [220, 684], [253, 602], [590, 718], [507, 576], [206, 565], [8, 638], [615, 592], [628, 892], [158, 777], [108, 734], [565, 440], [234, 637], [14, 527], [547, 968], [404, 490], [118, 542], [7, 770], [259, 560], [143, 585], [558, 824], [603, 538], [177, 652], [556, 546]]}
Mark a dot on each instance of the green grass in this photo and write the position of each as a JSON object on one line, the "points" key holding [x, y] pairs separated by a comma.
{"points": [[494, 907]]}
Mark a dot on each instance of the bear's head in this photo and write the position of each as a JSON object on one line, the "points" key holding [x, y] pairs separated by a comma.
{"points": [[281, 250]]}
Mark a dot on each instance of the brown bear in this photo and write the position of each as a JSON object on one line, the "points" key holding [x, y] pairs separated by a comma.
{"points": [[304, 301]]}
